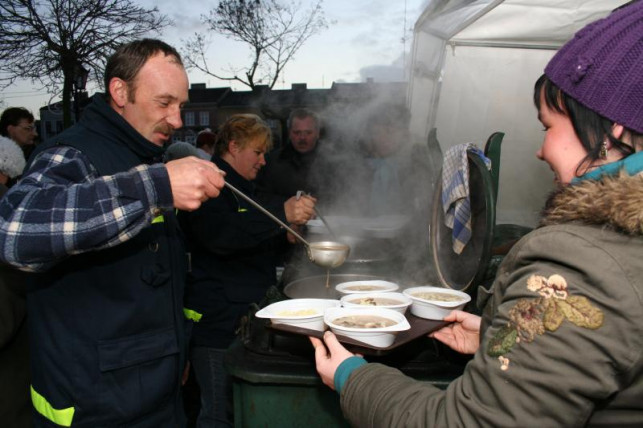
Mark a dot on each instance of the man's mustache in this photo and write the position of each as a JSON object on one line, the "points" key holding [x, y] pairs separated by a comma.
{"points": [[164, 128]]}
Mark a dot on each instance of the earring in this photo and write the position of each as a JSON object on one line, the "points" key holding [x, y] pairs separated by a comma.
{"points": [[603, 151]]}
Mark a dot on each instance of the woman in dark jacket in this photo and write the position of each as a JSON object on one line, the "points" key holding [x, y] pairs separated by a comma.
{"points": [[234, 253]]}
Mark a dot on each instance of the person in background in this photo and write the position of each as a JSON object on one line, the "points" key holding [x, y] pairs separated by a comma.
{"points": [[560, 339], [205, 142], [93, 220], [287, 168], [392, 176], [234, 257], [15, 406], [12, 163], [17, 123]]}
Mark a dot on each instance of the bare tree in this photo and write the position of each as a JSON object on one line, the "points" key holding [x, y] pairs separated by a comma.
{"points": [[273, 30], [53, 41]]}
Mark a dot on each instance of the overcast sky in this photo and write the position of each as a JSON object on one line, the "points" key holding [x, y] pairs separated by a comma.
{"points": [[364, 39]]}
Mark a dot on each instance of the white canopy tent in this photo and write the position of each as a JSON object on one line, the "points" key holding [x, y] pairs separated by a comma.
{"points": [[474, 64]]}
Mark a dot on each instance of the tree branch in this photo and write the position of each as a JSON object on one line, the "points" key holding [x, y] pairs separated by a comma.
{"points": [[42, 41], [272, 30]]}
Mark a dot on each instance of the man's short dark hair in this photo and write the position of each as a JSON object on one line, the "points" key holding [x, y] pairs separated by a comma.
{"points": [[303, 113], [128, 59], [13, 116]]}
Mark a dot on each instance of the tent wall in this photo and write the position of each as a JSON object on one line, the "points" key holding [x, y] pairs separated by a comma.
{"points": [[479, 97], [473, 69]]}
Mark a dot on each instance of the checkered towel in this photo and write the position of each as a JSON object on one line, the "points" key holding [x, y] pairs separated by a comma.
{"points": [[455, 192]]}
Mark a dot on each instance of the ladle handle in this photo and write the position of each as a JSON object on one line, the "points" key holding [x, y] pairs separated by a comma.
{"points": [[265, 211], [325, 223], [299, 194]]}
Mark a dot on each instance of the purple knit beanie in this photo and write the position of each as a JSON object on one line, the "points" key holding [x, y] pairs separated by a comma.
{"points": [[602, 66]]}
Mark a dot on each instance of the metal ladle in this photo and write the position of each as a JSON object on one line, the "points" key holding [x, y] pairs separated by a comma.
{"points": [[318, 214], [327, 254]]}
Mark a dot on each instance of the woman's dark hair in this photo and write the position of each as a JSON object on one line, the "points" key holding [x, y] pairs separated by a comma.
{"points": [[128, 59], [590, 127], [13, 116]]}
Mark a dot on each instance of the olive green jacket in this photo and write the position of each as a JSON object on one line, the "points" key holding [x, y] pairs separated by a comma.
{"points": [[562, 329]]}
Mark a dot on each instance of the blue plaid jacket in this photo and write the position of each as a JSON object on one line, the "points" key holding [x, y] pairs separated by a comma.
{"points": [[61, 207]]}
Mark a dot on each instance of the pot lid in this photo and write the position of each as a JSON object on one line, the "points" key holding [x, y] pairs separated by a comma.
{"points": [[460, 271]]}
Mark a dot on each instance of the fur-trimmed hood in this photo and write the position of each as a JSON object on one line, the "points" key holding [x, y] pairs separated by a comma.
{"points": [[614, 201]]}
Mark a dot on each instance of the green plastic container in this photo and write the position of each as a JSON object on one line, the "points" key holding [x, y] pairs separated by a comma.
{"points": [[286, 391]]}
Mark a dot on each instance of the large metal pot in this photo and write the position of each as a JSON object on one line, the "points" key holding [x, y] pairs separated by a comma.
{"points": [[315, 286], [366, 257], [365, 250]]}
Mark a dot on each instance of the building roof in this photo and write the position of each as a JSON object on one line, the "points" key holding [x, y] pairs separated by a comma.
{"points": [[262, 97]]}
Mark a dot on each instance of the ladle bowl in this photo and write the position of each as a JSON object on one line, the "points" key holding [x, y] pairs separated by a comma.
{"points": [[328, 254]]}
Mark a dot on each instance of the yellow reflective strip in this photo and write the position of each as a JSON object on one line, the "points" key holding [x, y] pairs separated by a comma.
{"points": [[61, 417], [242, 210], [158, 219], [192, 315]]}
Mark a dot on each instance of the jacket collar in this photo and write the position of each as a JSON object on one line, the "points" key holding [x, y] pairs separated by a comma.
{"points": [[633, 164], [101, 117], [233, 176], [611, 200], [288, 152]]}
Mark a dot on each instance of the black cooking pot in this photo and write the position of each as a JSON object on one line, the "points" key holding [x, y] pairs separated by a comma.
{"points": [[367, 255], [315, 286]]}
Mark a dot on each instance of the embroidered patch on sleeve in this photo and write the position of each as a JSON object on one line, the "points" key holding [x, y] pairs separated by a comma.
{"points": [[530, 318]]}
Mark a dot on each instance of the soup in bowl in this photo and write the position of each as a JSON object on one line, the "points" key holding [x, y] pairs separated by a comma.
{"points": [[373, 326], [372, 286], [304, 313], [435, 303], [396, 301]]}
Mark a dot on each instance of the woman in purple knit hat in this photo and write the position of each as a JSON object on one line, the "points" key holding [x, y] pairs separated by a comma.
{"points": [[560, 340]]}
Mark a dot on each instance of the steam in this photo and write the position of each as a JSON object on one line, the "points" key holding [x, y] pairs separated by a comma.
{"points": [[373, 183]]}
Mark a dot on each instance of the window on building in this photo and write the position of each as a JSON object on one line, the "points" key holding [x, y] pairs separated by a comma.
{"points": [[204, 118], [189, 118], [273, 124]]}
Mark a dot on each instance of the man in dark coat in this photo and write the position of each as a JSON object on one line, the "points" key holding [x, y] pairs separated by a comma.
{"points": [[93, 220], [287, 169]]}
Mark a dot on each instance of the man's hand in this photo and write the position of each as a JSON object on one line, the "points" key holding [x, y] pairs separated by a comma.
{"points": [[328, 360], [300, 210], [463, 335], [193, 182]]}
